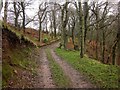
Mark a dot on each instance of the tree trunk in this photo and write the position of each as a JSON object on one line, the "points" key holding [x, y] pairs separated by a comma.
{"points": [[62, 28], [118, 35], [114, 53], [64, 20], [85, 20], [81, 22], [97, 44], [82, 39], [5, 11], [16, 21], [46, 26], [23, 11], [54, 23], [117, 42], [24, 20], [39, 31], [16, 15], [103, 46], [73, 36], [65, 40], [97, 31]]}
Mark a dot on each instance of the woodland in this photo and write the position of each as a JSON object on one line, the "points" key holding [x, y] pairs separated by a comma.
{"points": [[68, 44]]}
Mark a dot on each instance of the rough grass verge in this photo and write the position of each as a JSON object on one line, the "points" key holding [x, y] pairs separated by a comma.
{"points": [[57, 73], [19, 59], [102, 75]]}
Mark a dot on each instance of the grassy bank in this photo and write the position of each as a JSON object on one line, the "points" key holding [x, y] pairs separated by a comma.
{"points": [[57, 73], [20, 34], [104, 76], [29, 37], [17, 60]]}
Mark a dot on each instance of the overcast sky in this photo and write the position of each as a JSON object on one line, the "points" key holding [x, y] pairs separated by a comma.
{"points": [[32, 9]]}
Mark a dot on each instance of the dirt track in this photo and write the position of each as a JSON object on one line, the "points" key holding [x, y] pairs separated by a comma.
{"points": [[44, 74]]}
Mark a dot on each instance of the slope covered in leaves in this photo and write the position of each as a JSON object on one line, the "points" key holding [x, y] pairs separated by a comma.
{"points": [[20, 34]]}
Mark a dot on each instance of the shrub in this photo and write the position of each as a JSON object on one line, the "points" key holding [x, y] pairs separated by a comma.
{"points": [[45, 40]]}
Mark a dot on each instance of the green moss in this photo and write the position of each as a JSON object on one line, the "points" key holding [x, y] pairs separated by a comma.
{"points": [[57, 73], [7, 72], [100, 74]]}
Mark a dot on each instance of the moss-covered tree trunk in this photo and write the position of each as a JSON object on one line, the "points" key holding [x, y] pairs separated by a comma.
{"points": [[64, 20], [85, 11], [62, 28], [81, 23]]}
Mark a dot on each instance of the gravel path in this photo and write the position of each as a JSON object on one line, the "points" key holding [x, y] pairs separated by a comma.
{"points": [[77, 79], [47, 77], [44, 78]]}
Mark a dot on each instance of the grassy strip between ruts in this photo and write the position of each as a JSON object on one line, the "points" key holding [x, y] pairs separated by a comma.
{"points": [[103, 76], [58, 76]]}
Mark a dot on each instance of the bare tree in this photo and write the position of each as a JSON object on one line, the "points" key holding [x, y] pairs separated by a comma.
{"points": [[79, 11], [17, 11], [41, 15], [72, 23], [116, 41], [64, 21], [54, 20], [86, 14], [23, 5], [105, 12], [23, 12]]}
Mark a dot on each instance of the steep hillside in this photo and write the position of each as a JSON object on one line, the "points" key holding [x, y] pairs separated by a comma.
{"points": [[17, 63]]}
